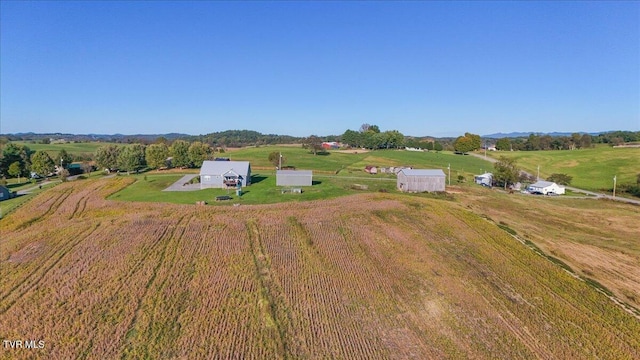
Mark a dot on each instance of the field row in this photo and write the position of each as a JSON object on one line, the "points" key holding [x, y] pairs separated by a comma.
{"points": [[377, 276]]}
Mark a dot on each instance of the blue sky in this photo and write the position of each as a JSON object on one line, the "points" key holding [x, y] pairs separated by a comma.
{"points": [[301, 68]]}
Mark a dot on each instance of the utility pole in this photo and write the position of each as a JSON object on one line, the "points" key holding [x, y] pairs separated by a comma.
{"points": [[614, 185], [538, 176], [449, 168], [280, 161]]}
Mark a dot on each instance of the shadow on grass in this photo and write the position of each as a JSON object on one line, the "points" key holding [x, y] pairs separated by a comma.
{"points": [[316, 182], [257, 178]]}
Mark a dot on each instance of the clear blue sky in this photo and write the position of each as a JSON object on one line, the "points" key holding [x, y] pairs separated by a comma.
{"points": [[301, 68]]}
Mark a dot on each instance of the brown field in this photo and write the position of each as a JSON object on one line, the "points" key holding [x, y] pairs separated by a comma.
{"points": [[364, 277], [597, 239]]}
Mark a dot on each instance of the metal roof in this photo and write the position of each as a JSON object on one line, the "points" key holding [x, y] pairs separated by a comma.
{"points": [[222, 167], [423, 172], [542, 184], [294, 172]]}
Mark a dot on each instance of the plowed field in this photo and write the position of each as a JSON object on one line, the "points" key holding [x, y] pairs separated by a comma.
{"points": [[370, 276]]}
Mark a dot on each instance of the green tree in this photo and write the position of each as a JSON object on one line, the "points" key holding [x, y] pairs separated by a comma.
{"points": [[352, 138], [131, 158], [107, 156], [42, 164], [561, 179], [585, 141], [15, 170], [198, 153], [392, 139], [179, 150], [506, 171], [156, 155], [313, 143], [503, 144], [437, 146], [428, 145], [12, 153], [65, 157], [476, 141], [463, 144], [276, 158]]}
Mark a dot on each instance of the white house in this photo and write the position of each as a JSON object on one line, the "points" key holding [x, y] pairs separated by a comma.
{"points": [[545, 188], [484, 179], [224, 174]]}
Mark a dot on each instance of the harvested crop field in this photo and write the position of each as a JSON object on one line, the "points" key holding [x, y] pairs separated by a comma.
{"points": [[362, 277]]}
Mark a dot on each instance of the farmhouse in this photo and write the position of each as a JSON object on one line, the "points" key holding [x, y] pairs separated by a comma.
{"points": [[224, 174], [421, 180], [545, 188], [6, 194], [484, 179], [294, 177]]}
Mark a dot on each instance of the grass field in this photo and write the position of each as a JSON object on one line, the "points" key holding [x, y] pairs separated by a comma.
{"points": [[71, 148], [262, 191], [343, 163], [592, 169], [362, 276]]}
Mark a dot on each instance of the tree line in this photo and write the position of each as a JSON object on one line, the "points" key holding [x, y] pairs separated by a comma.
{"points": [[576, 141]]}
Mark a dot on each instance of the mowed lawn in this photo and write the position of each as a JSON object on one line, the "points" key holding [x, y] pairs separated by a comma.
{"points": [[263, 190], [591, 169]]}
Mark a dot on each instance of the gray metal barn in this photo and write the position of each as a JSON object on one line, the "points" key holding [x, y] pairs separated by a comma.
{"points": [[294, 177], [421, 180]]}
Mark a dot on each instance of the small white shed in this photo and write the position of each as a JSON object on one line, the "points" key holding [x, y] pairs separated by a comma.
{"points": [[294, 178]]}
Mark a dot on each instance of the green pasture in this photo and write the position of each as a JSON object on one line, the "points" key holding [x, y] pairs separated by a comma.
{"points": [[591, 169], [71, 148], [346, 164]]}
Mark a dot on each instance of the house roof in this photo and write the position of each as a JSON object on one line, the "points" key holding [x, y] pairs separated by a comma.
{"points": [[423, 172], [294, 172], [542, 184], [222, 167], [485, 175]]}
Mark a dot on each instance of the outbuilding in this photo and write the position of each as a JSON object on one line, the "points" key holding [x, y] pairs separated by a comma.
{"points": [[6, 194], [294, 177], [545, 188], [225, 174], [421, 180]]}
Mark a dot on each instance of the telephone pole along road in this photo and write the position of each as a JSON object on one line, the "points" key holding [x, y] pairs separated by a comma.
{"points": [[587, 192]]}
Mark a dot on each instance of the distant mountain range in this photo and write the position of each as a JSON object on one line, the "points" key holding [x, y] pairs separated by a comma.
{"points": [[526, 134]]}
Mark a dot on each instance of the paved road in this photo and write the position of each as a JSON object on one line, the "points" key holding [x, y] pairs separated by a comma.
{"points": [[181, 185], [574, 189]]}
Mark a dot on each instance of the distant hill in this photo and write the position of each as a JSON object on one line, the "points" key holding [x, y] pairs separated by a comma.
{"points": [[526, 134]]}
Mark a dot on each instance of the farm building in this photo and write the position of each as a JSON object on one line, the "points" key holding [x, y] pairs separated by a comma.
{"points": [[6, 194], [294, 177], [421, 180], [484, 179], [330, 145], [224, 174], [545, 188], [371, 169]]}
